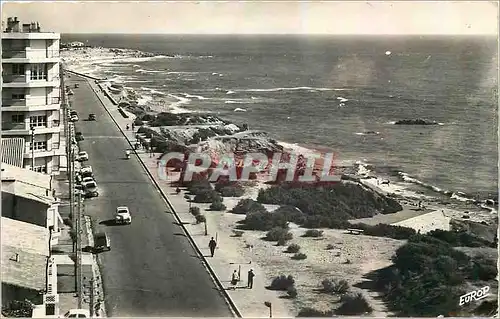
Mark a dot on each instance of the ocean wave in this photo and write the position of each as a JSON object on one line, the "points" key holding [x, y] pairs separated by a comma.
{"points": [[407, 178], [236, 102], [152, 91], [368, 133], [199, 97], [239, 110], [148, 71], [175, 107], [342, 99], [230, 92], [294, 89]]}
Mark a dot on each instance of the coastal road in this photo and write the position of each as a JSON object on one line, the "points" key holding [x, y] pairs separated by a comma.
{"points": [[151, 270]]}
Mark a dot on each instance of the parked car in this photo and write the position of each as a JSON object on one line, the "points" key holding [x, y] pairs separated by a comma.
{"points": [[86, 168], [101, 242], [87, 180], [73, 112], [90, 190], [82, 156], [77, 313], [79, 137], [122, 215], [91, 117]]}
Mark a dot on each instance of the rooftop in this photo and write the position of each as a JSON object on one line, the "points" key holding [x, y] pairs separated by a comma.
{"points": [[14, 173], [12, 151], [25, 248]]}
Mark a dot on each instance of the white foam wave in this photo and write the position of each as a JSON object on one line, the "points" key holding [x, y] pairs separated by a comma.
{"points": [[294, 89], [235, 102], [199, 97], [181, 72], [152, 91], [342, 99], [175, 107], [230, 92], [239, 110], [148, 71], [144, 99], [368, 133]]}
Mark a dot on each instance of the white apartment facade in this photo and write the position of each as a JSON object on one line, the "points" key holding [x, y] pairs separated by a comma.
{"points": [[31, 94]]}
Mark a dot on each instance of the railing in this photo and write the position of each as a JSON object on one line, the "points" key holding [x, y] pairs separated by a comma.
{"points": [[9, 78], [14, 126], [29, 53], [32, 101]]}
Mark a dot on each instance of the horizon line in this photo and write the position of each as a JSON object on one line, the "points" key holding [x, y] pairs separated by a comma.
{"points": [[289, 34]]}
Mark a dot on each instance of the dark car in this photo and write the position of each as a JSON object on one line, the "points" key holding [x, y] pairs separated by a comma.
{"points": [[79, 137], [91, 117], [101, 242]]}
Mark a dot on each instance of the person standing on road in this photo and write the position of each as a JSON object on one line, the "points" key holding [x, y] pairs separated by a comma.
{"points": [[235, 278], [250, 279], [212, 244]]}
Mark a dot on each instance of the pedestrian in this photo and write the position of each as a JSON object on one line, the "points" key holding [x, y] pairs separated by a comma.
{"points": [[250, 279], [212, 244], [234, 278], [133, 126]]}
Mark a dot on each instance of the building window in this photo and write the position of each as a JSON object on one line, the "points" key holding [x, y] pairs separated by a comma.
{"points": [[40, 169], [38, 121], [18, 69], [19, 96], [18, 118], [38, 72], [39, 146]]}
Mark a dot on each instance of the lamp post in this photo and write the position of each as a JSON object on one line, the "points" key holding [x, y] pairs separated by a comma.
{"points": [[270, 306], [32, 147]]}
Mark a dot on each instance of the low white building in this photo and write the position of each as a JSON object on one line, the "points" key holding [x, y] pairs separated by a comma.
{"points": [[28, 270], [28, 196]]}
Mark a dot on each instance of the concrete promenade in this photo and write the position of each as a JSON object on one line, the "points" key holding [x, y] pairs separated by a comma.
{"points": [[250, 303]]}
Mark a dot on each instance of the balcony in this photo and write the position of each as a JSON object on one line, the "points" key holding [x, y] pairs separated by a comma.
{"points": [[53, 151], [31, 104], [30, 55], [17, 129], [22, 81], [9, 78]]}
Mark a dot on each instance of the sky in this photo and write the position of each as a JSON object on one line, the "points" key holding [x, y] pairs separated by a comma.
{"points": [[260, 17]]}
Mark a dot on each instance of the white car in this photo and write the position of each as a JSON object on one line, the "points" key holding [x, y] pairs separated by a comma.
{"points": [[83, 156], [77, 313], [74, 118], [86, 169], [86, 180], [122, 215]]}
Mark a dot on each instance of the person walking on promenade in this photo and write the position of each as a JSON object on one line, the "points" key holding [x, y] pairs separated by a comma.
{"points": [[212, 244], [235, 278], [250, 279]]}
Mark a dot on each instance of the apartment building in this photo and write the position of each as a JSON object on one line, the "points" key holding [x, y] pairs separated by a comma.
{"points": [[31, 95]]}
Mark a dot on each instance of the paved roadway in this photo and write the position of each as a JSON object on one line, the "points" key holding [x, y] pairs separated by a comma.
{"points": [[151, 270]]}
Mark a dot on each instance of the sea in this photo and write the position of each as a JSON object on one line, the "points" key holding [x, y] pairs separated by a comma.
{"points": [[337, 93]]}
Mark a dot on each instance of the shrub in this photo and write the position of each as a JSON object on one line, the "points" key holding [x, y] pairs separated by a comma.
{"points": [[238, 233], [299, 256], [311, 312], [384, 230], [18, 309], [293, 248], [329, 247], [335, 286], [200, 219], [281, 242], [282, 283], [313, 233], [264, 221], [278, 233], [217, 206], [207, 196], [228, 189], [292, 292], [195, 211], [353, 305], [248, 205]]}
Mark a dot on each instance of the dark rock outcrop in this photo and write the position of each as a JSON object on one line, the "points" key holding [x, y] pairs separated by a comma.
{"points": [[416, 122]]}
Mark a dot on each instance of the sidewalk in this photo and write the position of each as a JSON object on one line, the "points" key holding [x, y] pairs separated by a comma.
{"points": [[227, 257]]}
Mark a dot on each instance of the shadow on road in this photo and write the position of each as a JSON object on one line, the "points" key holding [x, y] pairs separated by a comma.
{"points": [[109, 222], [179, 234]]}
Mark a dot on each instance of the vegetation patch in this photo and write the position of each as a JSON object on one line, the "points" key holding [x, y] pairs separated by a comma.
{"points": [[282, 283]]}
